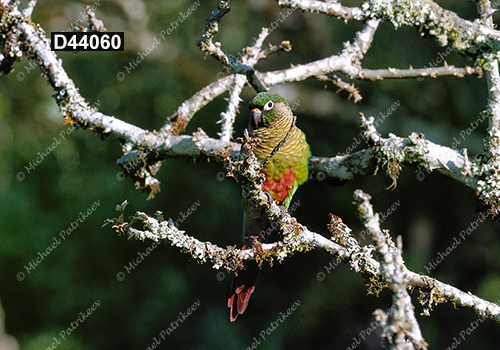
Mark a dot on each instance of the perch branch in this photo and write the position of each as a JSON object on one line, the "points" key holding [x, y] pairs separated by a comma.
{"points": [[295, 238]]}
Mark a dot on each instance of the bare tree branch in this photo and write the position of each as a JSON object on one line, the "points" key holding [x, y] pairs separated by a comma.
{"points": [[178, 121], [350, 88]]}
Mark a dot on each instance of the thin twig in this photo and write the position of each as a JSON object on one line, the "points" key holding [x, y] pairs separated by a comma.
{"points": [[178, 121], [342, 85], [419, 73], [28, 11], [229, 116], [96, 25], [205, 43]]}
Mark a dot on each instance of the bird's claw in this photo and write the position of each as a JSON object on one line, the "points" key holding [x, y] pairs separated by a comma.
{"points": [[269, 198], [283, 212]]}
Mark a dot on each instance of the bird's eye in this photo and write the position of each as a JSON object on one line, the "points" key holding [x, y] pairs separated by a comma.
{"points": [[268, 106]]}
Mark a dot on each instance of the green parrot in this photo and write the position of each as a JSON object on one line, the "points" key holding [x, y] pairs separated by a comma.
{"points": [[284, 155]]}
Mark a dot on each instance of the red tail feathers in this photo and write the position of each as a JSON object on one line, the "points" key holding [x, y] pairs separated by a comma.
{"points": [[238, 302], [241, 289]]}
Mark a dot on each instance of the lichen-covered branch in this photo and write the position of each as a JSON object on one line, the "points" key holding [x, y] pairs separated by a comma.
{"points": [[342, 244], [331, 8], [419, 73], [400, 327], [393, 153], [433, 292], [295, 238], [493, 79], [489, 165], [446, 26]]}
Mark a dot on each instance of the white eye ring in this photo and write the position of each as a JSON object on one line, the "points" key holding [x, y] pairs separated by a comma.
{"points": [[268, 106]]}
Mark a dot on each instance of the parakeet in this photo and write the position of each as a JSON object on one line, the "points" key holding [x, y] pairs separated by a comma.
{"points": [[284, 155]]}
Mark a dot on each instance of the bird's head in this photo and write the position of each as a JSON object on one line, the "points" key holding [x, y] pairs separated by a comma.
{"points": [[267, 108]]}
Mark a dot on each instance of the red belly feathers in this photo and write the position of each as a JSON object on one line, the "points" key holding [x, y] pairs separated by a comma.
{"points": [[279, 188]]}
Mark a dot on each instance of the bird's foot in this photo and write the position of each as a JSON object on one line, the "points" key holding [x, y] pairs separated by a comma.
{"points": [[283, 211], [269, 198]]}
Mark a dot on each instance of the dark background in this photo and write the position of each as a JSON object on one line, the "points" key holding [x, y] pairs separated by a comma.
{"points": [[82, 170]]}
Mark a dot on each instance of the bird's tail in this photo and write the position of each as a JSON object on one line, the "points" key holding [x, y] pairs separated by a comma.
{"points": [[257, 229], [242, 288]]}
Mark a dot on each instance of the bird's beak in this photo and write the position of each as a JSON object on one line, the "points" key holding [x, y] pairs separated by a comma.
{"points": [[256, 115]]}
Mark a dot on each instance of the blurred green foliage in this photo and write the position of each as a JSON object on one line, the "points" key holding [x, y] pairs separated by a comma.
{"points": [[85, 267]]}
